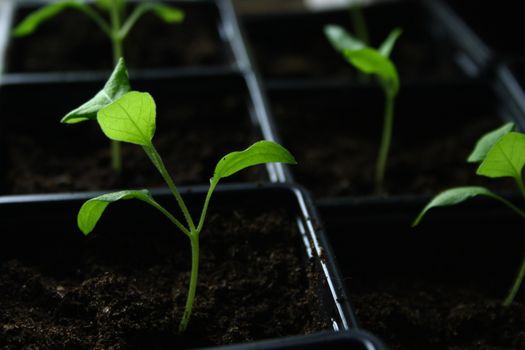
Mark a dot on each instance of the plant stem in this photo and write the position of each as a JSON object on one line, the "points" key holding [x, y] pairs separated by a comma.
{"points": [[359, 24], [193, 281], [385, 142], [361, 32], [159, 164], [516, 286], [521, 186], [118, 52], [116, 156], [213, 184]]}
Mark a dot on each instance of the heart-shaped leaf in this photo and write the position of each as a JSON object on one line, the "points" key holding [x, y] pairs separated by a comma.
{"points": [[116, 87], [131, 119], [506, 158], [487, 141]]}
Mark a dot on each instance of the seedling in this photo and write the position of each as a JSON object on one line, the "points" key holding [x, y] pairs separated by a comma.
{"points": [[377, 62], [501, 154], [116, 29], [130, 117]]}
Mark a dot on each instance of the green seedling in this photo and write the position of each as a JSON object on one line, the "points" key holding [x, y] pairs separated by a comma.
{"points": [[116, 28], [501, 153], [376, 62], [130, 117]]}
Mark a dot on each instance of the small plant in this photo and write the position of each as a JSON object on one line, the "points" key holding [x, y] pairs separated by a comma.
{"points": [[501, 154], [377, 62], [130, 117], [116, 29]]}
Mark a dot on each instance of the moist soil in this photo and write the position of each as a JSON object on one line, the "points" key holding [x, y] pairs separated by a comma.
{"points": [[126, 290], [73, 42], [191, 136], [336, 144], [438, 286], [411, 315]]}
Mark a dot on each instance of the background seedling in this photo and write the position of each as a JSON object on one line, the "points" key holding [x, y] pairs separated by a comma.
{"points": [[131, 118], [116, 29], [360, 29], [501, 154], [371, 61]]}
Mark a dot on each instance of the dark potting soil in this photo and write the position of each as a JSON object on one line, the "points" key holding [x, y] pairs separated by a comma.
{"points": [[411, 315], [72, 41], [191, 137], [126, 290], [438, 286], [335, 139]]}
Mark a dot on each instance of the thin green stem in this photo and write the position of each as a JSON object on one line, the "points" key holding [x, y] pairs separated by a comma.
{"points": [[521, 186], [116, 39], [133, 18], [386, 139], [98, 19], [159, 164], [510, 205], [516, 286], [193, 281], [176, 222], [361, 32], [213, 184], [521, 274], [359, 24], [116, 156], [117, 44]]}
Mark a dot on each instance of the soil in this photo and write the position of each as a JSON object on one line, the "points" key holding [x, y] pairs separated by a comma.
{"points": [[151, 44], [411, 315], [438, 286], [191, 137], [340, 132], [126, 290], [418, 55]]}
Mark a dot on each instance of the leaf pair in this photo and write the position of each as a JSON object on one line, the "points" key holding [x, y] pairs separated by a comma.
{"points": [[130, 116], [31, 23], [368, 59], [502, 154], [259, 153]]}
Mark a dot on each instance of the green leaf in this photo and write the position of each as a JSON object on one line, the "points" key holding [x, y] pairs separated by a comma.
{"points": [[36, 18], [486, 142], [116, 87], [92, 210], [386, 47], [341, 39], [371, 61], [506, 158], [168, 14], [454, 196], [131, 118], [259, 153]]}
